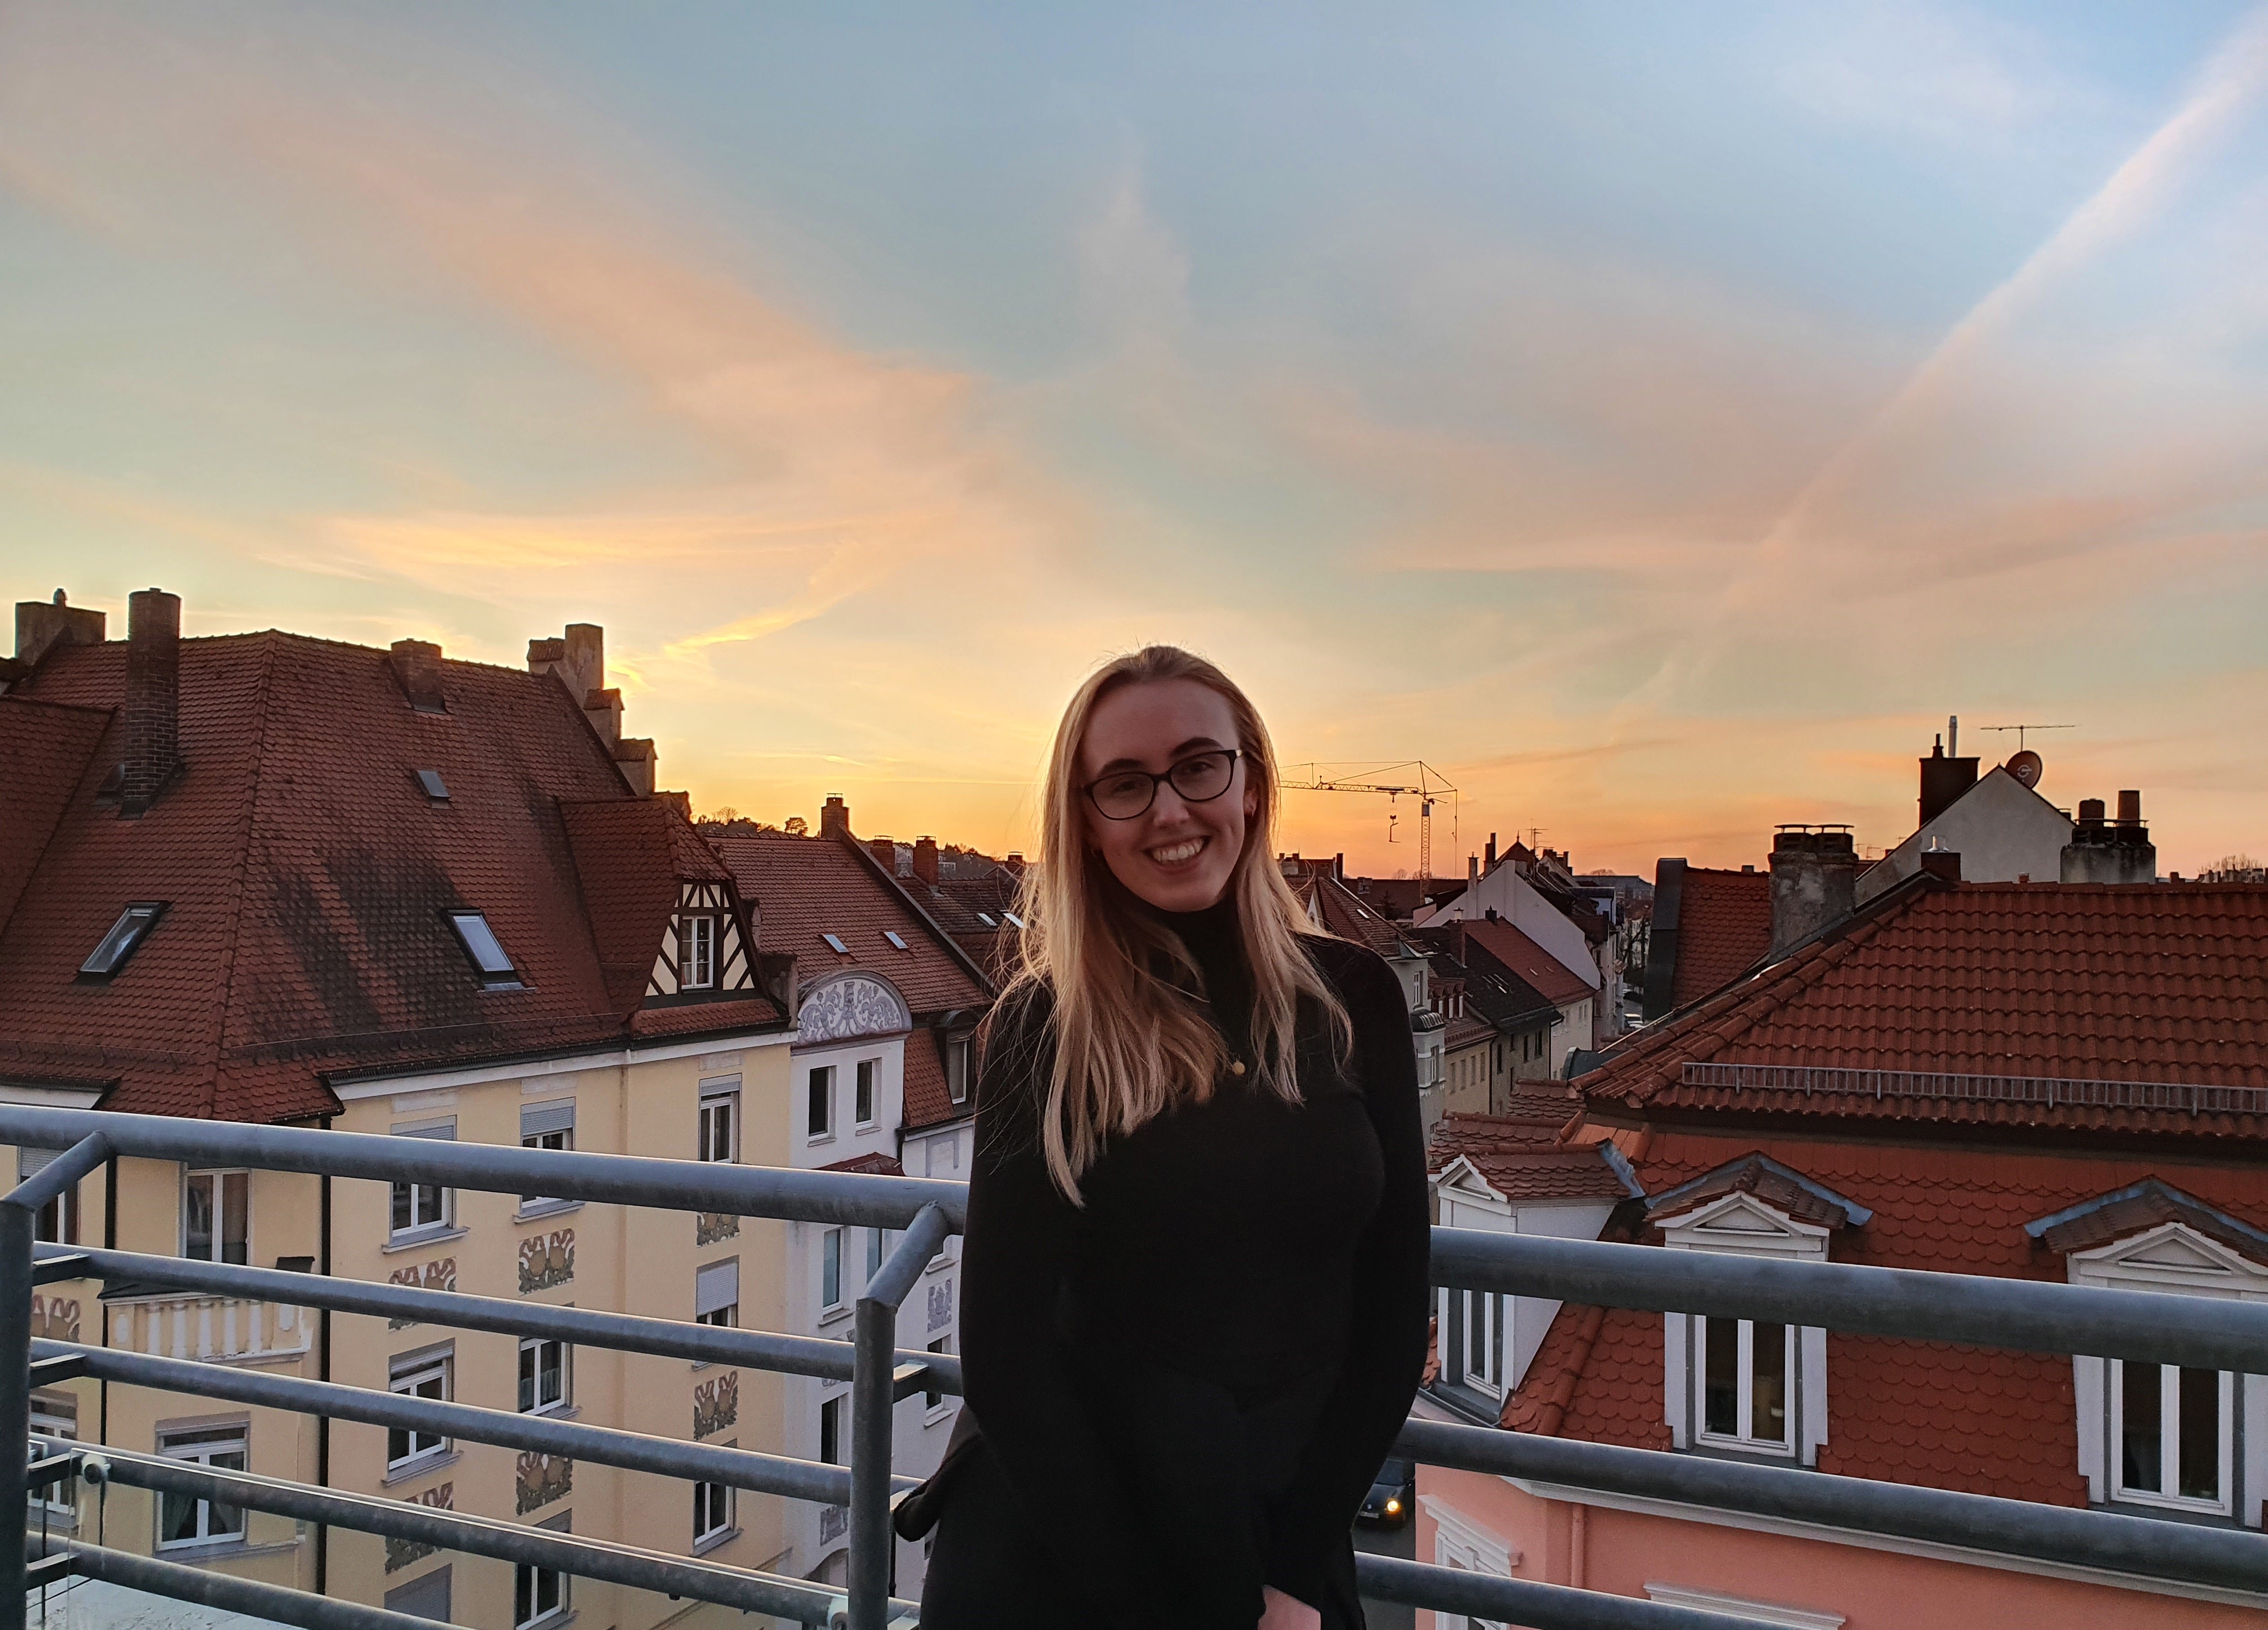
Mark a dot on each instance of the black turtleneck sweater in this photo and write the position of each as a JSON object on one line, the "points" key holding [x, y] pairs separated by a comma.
{"points": [[1190, 1380]]}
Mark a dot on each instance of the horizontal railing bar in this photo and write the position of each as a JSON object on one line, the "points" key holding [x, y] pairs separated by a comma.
{"points": [[211, 1588], [1524, 1601], [2231, 1559], [763, 1474], [1978, 1310], [838, 1197], [703, 1344], [474, 1535]]}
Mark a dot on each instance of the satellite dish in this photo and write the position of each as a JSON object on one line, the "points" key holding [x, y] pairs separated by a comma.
{"points": [[2025, 767]]}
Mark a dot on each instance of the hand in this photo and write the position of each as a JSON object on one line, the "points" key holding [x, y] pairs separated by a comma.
{"points": [[1278, 1611]]}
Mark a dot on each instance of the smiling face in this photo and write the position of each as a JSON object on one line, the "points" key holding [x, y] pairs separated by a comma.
{"points": [[1178, 855]]}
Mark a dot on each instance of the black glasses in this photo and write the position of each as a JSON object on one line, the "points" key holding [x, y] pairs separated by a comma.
{"points": [[1199, 780]]}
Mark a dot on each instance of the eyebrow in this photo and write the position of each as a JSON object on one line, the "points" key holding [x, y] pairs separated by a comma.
{"points": [[1194, 744]]}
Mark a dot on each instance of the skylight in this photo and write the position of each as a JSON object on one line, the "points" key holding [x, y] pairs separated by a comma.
{"points": [[127, 933], [986, 919], [1014, 921], [436, 788], [835, 944], [893, 936], [483, 946]]}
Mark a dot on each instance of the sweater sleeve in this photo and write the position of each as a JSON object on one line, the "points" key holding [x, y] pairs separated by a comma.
{"points": [[1387, 1334], [1016, 1255]]}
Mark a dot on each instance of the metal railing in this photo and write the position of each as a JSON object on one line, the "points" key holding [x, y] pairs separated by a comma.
{"points": [[2199, 1332], [2188, 1097]]}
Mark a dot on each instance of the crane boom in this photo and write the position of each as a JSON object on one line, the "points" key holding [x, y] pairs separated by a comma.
{"points": [[1414, 776]]}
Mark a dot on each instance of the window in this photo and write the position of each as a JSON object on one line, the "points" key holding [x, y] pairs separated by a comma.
{"points": [[423, 1375], [1014, 921], [2169, 1430], [864, 1092], [187, 1519], [545, 1370], [830, 1270], [549, 1125], [897, 941], [1746, 1396], [719, 1129], [425, 1596], [820, 1121], [486, 952], [57, 1223], [956, 1068], [215, 1216], [436, 788], [877, 1248], [56, 1415], [835, 944], [125, 937], [696, 952], [420, 1208], [830, 1432], [712, 1511], [1481, 1326], [933, 1396], [986, 919], [540, 1595], [717, 1293]]}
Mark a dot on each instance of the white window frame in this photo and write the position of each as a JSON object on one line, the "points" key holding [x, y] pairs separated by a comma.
{"points": [[531, 1376], [1461, 1543], [443, 1200], [1744, 1435], [717, 1132], [936, 1403], [2169, 1450], [49, 1421], [831, 1426], [1739, 1224], [712, 1513], [206, 1445], [960, 1062], [723, 1315], [866, 1093], [830, 1256], [558, 1139], [819, 1092], [216, 1181], [407, 1375], [528, 1583], [696, 952], [57, 1223], [1495, 1339]]}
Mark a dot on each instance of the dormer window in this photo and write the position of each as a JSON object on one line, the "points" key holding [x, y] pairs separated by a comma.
{"points": [[484, 950], [696, 952], [436, 788], [125, 937]]}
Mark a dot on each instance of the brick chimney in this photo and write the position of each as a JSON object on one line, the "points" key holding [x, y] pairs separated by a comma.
{"points": [[926, 859], [1943, 780], [834, 817], [1814, 873], [2103, 852], [417, 667], [1491, 852], [153, 699], [41, 625]]}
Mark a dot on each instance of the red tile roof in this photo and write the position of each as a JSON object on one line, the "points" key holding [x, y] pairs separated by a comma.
{"points": [[1723, 930], [877, 1163], [2022, 984], [1521, 1158], [1347, 917], [1552, 978], [45, 752], [799, 888], [307, 874], [631, 855], [929, 1099]]}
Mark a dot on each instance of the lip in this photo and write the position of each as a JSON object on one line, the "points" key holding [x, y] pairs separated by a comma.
{"points": [[1184, 862]]}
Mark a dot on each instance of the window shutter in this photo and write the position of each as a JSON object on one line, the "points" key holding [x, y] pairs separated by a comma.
{"points": [[538, 1119], [717, 1286], [445, 1129], [719, 1087], [32, 1162]]}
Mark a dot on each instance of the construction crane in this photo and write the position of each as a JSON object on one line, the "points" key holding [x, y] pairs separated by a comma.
{"points": [[1415, 776]]}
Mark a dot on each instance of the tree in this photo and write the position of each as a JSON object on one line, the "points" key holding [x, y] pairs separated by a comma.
{"points": [[797, 827]]}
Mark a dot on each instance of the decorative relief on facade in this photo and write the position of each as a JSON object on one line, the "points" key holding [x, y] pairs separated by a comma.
{"points": [[440, 1275], [547, 1259], [717, 1404], [940, 1307], [709, 1227], [848, 1007], [834, 1523], [541, 1479], [55, 1319], [400, 1553]]}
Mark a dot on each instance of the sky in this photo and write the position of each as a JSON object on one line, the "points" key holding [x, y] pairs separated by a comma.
{"points": [[1658, 419]]}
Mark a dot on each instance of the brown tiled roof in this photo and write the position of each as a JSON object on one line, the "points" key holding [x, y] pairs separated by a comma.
{"points": [[1464, 1030], [956, 902], [1549, 977], [876, 1163], [1769, 1181], [929, 1099], [799, 888], [44, 753], [1347, 917], [1522, 1159], [631, 853], [2011, 983], [2140, 1206], [1723, 930], [740, 1013], [307, 874]]}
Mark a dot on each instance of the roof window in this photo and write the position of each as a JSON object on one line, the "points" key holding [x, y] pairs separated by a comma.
{"points": [[436, 788], [483, 947], [894, 938], [986, 919], [835, 944], [1014, 921], [126, 934]]}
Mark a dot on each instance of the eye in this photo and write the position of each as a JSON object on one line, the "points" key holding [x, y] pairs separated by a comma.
{"points": [[1119, 788]]}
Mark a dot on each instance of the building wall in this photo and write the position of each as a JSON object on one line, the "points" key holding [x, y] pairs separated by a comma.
{"points": [[1469, 1081], [1839, 1584], [1518, 902], [2001, 830]]}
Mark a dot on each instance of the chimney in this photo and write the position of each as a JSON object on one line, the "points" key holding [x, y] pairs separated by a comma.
{"points": [[577, 660], [885, 850], [635, 758], [1338, 867], [1492, 851], [41, 625], [1943, 780], [417, 667], [1815, 874], [834, 817], [1942, 864], [1472, 871], [926, 859], [604, 710], [153, 699], [2101, 852], [683, 800]]}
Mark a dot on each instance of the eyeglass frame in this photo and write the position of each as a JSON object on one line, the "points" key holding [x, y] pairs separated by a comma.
{"points": [[1235, 755]]}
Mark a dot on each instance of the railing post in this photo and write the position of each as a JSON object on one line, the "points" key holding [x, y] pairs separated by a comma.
{"points": [[873, 1401], [15, 1402]]}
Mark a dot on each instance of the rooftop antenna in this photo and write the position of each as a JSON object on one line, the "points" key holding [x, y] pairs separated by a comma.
{"points": [[2019, 730]]}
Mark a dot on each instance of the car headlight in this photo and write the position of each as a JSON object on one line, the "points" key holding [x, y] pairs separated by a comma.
{"points": [[1393, 1507]]}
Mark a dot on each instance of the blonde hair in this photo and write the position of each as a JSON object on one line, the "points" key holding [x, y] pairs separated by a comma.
{"points": [[1128, 1042]]}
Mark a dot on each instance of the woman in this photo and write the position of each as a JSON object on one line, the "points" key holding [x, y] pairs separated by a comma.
{"points": [[1193, 1294]]}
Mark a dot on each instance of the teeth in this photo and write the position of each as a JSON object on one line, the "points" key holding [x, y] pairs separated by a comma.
{"points": [[1173, 854]]}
